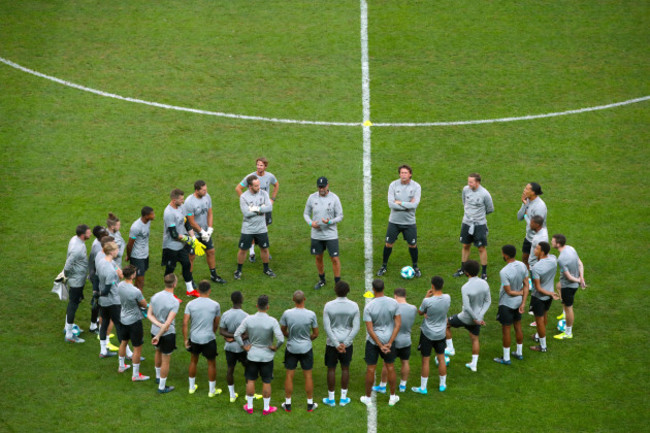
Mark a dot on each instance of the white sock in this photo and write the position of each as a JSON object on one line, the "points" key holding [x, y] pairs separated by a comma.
{"points": [[310, 401], [212, 387], [251, 251], [192, 381], [506, 354], [536, 335], [383, 384], [568, 330], [68, 330], [189, 287], [157, 372], [136, 370], [129, 352], [402, 383], [287, 400], [542, 342], [344, 394], [474, 360], [330, 395], [267, 403], [102, 345], [520, 348], [423, 382], [163, 381], [121, 360], [249, 401], [231, 389], [443, 380], [93, 326], [450, 344]]}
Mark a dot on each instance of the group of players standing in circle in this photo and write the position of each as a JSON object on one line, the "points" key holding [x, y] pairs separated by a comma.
{"points": [[253, 340]]}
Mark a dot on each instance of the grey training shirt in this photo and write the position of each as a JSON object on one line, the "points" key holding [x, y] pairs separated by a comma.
{"points": [[476, 300], [381, 312], [163, 303], [404, 213], [107, 274], [254, 222], [121, 244], [261, 329], [323, 207], [408, 313], [76, 262], [202, 312], [139, 232], [477, 204], [544, 271], [94, 249], [230, 321], [129, 298], [529, 210], [299, 323], [341, 321], [198, 207], [435, 308], [540, 236], [513, 274], [569, 261], [266, 181], [173, 218]]}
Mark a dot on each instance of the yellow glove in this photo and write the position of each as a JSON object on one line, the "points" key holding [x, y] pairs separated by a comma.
{"points": [[199, 248]]}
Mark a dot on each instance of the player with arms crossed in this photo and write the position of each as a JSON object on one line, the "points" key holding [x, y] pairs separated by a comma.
{"points": [[572, 276], [137, 249]]}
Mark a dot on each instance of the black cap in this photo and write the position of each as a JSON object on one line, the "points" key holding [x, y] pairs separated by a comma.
{"points": [[537, 189], [321, 182]]}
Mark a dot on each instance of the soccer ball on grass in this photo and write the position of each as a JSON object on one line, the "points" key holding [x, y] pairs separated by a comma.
{"points": [[407, 272]]}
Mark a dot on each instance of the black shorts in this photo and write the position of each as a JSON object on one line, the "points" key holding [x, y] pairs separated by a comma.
{"points": [[171, 257], [166, 344], [507, 316], [540, 307], [333, 356], [133, 333], [208, 350], [426, 345], [259, 369], [568, 294], [525, 248], [403, 353], [246, 240], [479, 238], [455, 322], [141, 266], [233, 357], [306, 360], [319, 246], [409, 232], [269, 218], [374, 352]]}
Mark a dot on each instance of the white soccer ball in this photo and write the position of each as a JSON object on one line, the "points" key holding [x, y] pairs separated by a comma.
{"points": [[446, 360], [561, 325], [407, 273]]}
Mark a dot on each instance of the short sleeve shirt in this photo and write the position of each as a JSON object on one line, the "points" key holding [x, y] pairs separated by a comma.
{"points": [[164, 303], [569, 261], [266, 181], [544, 271], [202, 312], [140, 234], [408, 313], [435, 308], [299, 322], [381, 312], [198, 207], [230, 321], [513, 275], [173, 218], [130, 296]]}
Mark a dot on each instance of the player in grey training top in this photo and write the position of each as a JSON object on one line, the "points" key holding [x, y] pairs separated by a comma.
{"points": [[434, 308], [532, 205], [300, 326], [323, 212], [402, 341], [108, 274], [543, 275], [162, 313], [137, 249], [403, 199], [383, 320], [204, 314], [261, 329], [74, 272], [99, 232], [113, 225], [540, 234], [266, 180], [198, 209], [341, 321], [230, 321], [512, 298], [572, 276], [477, 202], [254, 203], [132, 304], [476, 301]]}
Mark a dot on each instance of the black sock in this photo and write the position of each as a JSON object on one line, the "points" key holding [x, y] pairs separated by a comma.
{"points": [[414, 256], [484, 269], [266, 266], [387, 251], [337, 279], [213, 272], [322, 277], [239, 266]]}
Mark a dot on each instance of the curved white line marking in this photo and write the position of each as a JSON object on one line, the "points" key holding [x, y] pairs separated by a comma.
{"points": [[316, 122]]}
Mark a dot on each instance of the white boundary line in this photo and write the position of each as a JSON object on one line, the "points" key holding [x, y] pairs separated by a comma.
{"points": [[316, 122]]}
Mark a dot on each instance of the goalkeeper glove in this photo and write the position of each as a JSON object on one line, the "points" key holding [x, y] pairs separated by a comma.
{"points": [[210, 231], [199, 248], [61, 278], [255, 209], [205, 237]]}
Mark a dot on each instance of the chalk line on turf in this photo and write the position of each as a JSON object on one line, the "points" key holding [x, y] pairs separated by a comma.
{"points": [[318, 122]]}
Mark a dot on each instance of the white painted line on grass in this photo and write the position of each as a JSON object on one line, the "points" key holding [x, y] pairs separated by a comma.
{"points": [[317, 122]]}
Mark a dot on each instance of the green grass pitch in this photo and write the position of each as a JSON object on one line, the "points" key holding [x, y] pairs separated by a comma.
{"points": [[70, 157]]}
